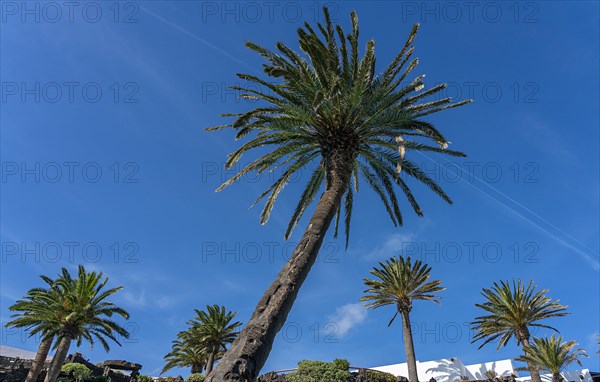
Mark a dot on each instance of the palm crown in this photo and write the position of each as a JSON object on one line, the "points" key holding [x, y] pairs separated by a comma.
{"points": [[552, 354], [39, 311], [399, 282], [186, 352], [513, 308], [214, 328], [88, 314], [335, 113], [205, 340]]}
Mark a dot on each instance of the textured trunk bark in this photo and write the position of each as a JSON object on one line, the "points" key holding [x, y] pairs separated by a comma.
{"points": [[409, 348], [556, 377], [197, 368], [249, 352], [533, 370], [39, 360], [209, 363], [58, 360]]}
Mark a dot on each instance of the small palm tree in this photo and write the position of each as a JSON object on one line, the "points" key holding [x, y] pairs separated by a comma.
{"points": [[205, 341], [326, 110], [399, 282], [512, 309], [186, 352], [552, 354], [39, 312], [214, 331], [85, 315]]}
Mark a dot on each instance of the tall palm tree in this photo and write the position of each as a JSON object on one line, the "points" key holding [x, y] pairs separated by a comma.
{"points": [[399, 282], [39, 312], [552, 354], [512, 309], [327, 108], [214, 330], [86, 315], [186, 352]]}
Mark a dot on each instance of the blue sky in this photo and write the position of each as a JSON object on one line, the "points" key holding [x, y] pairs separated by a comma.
{"points": [[105, 162]]}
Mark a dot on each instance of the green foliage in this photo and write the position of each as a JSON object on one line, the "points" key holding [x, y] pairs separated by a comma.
{"points": [[209, 333], [196, 377], [80, 372], [144, 378], [399, 282], [379, 376], [76, 307], [327, 110], [214, 328], [512, 309], [552, 354], [490, 375], [319, 371]]}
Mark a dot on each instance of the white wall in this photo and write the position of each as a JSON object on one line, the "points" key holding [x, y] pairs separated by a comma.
{"points": [[503, 368], [443, 370], [571, 376]]}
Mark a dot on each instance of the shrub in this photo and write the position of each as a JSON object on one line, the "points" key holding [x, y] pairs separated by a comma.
{"points": [[80, 372], [380, 376], [144, 378], [318, 371], [196, 377]]}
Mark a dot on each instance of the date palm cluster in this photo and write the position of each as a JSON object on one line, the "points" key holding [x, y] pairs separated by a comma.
{"points": [[204, 342], [68, 309]]}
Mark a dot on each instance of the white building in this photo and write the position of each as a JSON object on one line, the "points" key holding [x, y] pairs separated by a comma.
{"points": [[443, 370], [502, 368], [7, 351], [453, 369], [582, 375]]}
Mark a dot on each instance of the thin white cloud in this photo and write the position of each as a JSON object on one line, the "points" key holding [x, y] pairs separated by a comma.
{"points": [[393, 245], [136, 300], [346, 317], [164, 302], [592, 341]]}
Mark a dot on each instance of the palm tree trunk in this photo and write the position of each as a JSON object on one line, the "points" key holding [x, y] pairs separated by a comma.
{"points": [[196, 368], [58, 360], [209, 363], [409, 348], [39, 360], [556, 377], [249, 352], [533, 369]]}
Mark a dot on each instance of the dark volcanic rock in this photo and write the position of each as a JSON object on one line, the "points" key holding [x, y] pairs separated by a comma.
{"points": [[120, 365]]}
